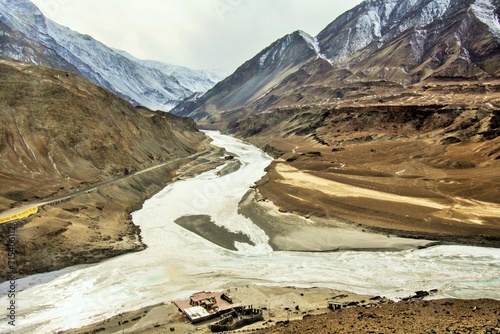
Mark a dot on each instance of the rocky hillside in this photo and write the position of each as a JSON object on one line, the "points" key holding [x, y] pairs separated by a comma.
{"points": [[59, 129], [60, 133], [429, 316], [28, 36], [385, 45], [419, 161]]}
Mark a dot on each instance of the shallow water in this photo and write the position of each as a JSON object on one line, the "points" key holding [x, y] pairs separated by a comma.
{"points": [[178, 262]]}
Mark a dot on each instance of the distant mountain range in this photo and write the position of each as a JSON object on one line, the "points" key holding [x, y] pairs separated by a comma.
{"points": [[385, 43], [27, 36]]}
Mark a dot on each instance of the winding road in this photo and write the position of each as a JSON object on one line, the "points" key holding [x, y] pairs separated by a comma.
{"points": [[26, 210]]}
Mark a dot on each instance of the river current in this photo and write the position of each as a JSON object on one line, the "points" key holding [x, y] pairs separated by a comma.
{"points": [[178, 262]]}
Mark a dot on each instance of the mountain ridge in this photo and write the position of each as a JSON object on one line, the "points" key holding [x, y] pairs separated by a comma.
{"points": [[399, 97], [254, 78], [117, 71], [404, 42]]}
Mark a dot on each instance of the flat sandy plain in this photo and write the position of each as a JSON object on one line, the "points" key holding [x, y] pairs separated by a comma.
{"points": [[411, 188]]}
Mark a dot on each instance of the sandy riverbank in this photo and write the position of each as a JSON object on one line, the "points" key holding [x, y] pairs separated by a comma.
{"points": [[385, 187], [291, 232]]}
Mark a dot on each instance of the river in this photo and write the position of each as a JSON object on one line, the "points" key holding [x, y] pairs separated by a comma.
{"points": [[178, 262]]}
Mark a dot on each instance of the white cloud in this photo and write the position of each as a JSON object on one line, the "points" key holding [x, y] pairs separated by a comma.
{"points": [[193, 33]]}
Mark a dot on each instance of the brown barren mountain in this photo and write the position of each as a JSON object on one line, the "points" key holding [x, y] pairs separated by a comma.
{"points": [[60, 133], [393, 124]]}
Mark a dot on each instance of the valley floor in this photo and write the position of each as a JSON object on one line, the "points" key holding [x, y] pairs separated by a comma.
{"points": [[299, 182]]}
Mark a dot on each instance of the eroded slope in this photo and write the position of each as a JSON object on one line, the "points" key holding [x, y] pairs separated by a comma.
{"points": [[60, 133]]}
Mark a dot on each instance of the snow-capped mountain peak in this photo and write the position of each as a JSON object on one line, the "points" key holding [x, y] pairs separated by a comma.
{"points": [[197, 81], [284, 48], [377, 21], [151, 84]]}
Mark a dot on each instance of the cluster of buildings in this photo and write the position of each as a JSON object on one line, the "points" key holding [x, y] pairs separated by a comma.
{"points": [[204, 305]]}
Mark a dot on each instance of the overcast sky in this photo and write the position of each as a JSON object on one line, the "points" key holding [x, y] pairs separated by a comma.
{"points": [[201, 34]]}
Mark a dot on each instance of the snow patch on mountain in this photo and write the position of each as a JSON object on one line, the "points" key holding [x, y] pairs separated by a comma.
{"points": [[262, 59], [417, 43], [275, 52], [282, 49], [432, 11], [198, 81], [366, 29], [387, 10], [485, 12], [312, 42], [399, 20], [377, 21]]}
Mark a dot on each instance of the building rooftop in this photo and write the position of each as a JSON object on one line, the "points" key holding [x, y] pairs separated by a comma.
{"points": [[197, 313], [204, 305]]}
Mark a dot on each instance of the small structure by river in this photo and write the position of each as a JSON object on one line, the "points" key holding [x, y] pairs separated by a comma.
{"points": [[204, 305], [238, 317]]}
